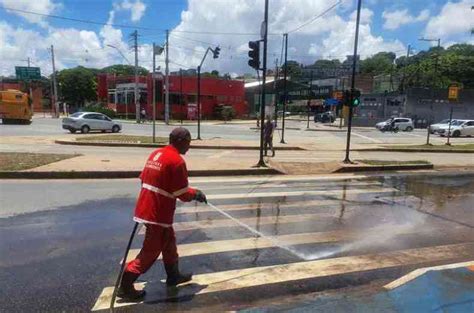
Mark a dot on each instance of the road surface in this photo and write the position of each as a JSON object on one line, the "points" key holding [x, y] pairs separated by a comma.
{"points": [[61, 241]]}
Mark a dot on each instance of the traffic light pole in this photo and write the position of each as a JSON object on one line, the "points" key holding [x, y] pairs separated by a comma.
{"points": [[216, 54], [261, 162], [285, 72], [354, 61], [309, 97]]}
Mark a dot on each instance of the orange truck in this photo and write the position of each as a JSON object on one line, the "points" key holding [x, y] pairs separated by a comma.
{"points": [[15, 107]]}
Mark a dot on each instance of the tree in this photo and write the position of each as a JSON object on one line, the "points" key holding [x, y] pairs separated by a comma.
{"points": [[380, 63], [124, 70], [77, 85], [294, 69]]}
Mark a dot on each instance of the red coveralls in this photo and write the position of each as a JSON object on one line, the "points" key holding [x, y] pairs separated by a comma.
{"points": [[164, 179]]}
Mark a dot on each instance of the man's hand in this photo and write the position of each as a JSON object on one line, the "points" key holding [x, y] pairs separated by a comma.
{"points": [[200, 196]]}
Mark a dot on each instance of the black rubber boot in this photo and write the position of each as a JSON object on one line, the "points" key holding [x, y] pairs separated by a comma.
{"points": [[127, 290], [174, 276]]}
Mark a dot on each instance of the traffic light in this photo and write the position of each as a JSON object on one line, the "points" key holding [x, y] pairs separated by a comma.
{"points": [[356, 98], [216, 52], [254, 54], [346, 98]]}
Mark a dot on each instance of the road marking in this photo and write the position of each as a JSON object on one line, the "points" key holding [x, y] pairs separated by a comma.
{"points": [[220, 155], [368, 138], [418, 272], [239, 279], [201, 208], [307, 178], [267, 185], [296, 193], [254, 222], [219, 246]]}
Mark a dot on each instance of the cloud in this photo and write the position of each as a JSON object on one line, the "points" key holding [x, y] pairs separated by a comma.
{"points": [[137, 9], [38, 6], [395, 19], [329, 36], [455, 21]]}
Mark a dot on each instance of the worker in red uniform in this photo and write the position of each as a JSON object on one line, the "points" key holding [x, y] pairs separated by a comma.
{"points": [[164, 179]]}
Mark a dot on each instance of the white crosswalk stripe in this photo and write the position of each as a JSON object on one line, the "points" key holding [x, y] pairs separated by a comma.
{"points": [[293, 227]]}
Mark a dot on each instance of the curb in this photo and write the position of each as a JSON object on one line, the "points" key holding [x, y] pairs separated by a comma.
{"points": [[130, 174], [286, 128], [326, 130], [415, 150], [157, 145], [379, 168]]}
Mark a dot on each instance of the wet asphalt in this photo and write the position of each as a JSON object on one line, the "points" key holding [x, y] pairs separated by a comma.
{"points": [[61, 241]]}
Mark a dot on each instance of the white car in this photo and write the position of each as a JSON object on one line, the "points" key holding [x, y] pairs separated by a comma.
{"points": [[458, 128], [87, 121], [402, 123], [435, 127]]}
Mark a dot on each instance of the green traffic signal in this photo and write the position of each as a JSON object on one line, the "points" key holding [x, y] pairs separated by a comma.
{"points": [[356, 102]]}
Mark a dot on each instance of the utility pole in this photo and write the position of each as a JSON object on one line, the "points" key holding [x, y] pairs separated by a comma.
{"points": [[137, 100], [285, 72], [275, 85], [55, 86], [29, 86], [181, 102], [167, 80], [264, 31], [154, 93], [310, 87], [354, 63]]}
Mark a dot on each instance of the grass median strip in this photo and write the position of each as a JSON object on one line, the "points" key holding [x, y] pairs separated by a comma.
{"points": [[469, 146], [123, 139], [16, 161], [389, 162]]}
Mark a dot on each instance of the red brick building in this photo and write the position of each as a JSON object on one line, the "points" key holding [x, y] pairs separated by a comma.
{"points": [[118, 92]]}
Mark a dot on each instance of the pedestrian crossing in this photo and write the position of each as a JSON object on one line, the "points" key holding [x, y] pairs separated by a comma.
{"points": [[314, 234]]}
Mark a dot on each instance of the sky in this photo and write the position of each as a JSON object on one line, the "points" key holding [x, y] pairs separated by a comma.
{"points": [[195, 25]]}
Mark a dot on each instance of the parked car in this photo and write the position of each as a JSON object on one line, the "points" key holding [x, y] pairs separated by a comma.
{"points": [[434, 127], [326, 117], [401, 123], [458, 128], [87, 121], [280, 113]]}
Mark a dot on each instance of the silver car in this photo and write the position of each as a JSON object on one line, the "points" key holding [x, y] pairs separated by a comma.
{"points": [[87, 121]]}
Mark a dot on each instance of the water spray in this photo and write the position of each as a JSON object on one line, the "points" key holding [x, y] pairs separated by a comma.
{"points": [[260, 234]]}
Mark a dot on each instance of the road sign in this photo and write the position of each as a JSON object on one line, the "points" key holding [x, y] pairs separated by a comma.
{"points": [[453, 93], [27, 73]]}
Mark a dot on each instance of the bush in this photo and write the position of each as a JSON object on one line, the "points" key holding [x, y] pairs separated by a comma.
{"points": [[224, 112], [99, 108]]}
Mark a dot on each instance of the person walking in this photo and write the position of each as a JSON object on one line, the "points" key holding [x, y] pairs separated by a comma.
{"points": [[163, 180], [268, 130]]}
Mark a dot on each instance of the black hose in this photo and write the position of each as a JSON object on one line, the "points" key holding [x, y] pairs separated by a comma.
{"points": [[122, 267]]}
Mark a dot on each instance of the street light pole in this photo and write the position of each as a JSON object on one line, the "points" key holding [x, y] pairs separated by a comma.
{"points": [[285, 72], [264, 29], [154, 93], [354, 61]]}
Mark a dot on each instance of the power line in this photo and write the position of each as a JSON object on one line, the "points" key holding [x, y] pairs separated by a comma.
{"points": [[75, 19], [127, 26], [316, 17]]}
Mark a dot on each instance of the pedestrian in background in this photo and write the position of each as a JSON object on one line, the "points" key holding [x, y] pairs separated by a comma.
{"points": [[268, 130]]}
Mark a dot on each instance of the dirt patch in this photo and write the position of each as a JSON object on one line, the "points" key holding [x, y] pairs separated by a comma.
{"points": [[389, 162], [13, 161], [305, 168]]}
